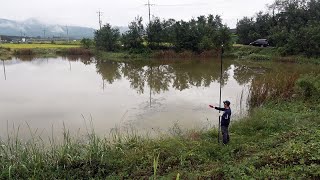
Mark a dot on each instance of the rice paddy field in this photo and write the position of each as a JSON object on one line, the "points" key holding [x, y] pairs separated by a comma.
{"points": [[39, 46]]}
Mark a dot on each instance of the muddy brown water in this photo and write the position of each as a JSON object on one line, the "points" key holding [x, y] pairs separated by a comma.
{"points": [[82, 93]]}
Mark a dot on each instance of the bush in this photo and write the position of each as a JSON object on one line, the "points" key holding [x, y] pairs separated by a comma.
{"points": [[272, 87], [309, 86], [4, 48], [24, 52], [86, 43], [76, 52]]}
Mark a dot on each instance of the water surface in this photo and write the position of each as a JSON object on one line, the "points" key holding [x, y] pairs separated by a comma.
{"points": [[48, 94]]}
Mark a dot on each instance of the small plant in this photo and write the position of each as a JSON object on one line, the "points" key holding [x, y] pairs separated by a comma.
{"points": [[86, 43], [178, 177], [155, 166], [309, 86]]}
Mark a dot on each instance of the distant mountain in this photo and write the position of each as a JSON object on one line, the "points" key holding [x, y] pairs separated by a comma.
{"points": [[122, 29], [34, 28]]}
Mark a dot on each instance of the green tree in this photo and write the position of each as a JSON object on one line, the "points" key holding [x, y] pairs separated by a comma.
{"points": [[245, 30], [133, 38], [155, 33], [203, 33], [86, 43], [107, 38], [291, 26], [168, 27]]}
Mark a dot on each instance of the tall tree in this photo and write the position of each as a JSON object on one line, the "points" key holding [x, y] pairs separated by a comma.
{"points": [[107, 38], [133, 39], [155, 33]]}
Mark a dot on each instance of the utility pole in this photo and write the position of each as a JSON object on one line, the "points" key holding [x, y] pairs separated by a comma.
{"points": [[149, 8], [67, 33], [44, 33], [100, 22]]}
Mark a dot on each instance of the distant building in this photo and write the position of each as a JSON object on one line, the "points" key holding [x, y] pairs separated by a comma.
{"points": [[233, 31]]}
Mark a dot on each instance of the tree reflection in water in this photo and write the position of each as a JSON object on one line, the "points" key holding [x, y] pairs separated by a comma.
{"points": [[160, 77]]}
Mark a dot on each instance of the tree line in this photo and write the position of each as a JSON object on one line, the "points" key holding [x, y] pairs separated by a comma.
{"points": [[197, 35], [291, 25]]}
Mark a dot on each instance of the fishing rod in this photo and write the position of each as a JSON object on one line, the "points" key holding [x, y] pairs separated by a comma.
{"points": [[219, 125]]}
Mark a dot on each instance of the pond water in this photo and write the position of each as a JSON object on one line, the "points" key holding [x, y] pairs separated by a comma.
{"points": [[149, 97]]}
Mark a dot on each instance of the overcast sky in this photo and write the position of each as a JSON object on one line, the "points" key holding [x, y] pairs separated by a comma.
{"points": [[121, 12]]}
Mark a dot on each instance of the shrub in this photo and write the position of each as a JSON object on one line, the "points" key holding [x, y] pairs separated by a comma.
{"points": [[24, 52], [77, 52], [309, 86], [86, 43], [272, 87], [4, 48]]}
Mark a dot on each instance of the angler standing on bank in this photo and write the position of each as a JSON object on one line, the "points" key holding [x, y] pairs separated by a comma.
{"points": [[225, 120]]}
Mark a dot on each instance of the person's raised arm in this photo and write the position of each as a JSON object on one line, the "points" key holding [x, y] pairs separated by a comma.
{"points": [[217, 108], [220, 109]]}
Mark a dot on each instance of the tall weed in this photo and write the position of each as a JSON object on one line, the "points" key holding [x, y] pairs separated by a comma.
{"points": [[272, 87]]}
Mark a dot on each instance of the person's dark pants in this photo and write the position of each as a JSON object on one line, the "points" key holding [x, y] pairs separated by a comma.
{"points": [[225, 134]]}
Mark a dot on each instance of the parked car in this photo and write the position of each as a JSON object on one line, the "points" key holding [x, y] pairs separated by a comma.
{"points": [[260, 42]]}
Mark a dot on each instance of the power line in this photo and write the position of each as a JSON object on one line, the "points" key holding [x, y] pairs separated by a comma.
{"points": [[149, 7], [174, 5], [100, 22], [170, 5]]}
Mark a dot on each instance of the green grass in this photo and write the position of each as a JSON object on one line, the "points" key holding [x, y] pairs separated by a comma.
{"points": [[39, 46], [266, 54], [279, 140], [5, 53]]}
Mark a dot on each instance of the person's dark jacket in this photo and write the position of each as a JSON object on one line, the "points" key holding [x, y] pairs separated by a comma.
{"points": [[225, 119]]}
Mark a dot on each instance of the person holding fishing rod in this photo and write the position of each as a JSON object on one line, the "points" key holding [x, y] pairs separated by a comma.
{"points": [[225, 121]]}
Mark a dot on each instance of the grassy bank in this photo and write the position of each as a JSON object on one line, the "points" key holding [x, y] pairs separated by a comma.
{"points": [[156, 54], [280, 139], [266, 54], [7, 51]]}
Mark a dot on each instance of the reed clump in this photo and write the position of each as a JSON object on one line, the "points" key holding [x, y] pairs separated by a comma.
{"points": [[24, 52], [271, 87], [77, 52]]}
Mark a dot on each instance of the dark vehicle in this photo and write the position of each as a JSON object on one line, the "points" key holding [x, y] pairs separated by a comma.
{"points": [[260, 42]]}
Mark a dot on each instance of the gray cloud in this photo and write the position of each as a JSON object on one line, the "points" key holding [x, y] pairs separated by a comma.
{"points": [[121, 12]]}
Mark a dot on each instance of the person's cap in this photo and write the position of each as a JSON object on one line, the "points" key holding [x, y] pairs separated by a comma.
{"points": [[227, 103]]}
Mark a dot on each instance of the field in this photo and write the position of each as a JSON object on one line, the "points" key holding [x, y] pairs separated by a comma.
{"points": [[38, 46]]}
